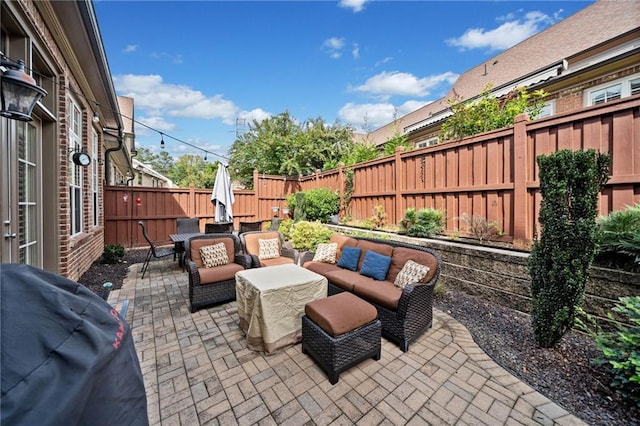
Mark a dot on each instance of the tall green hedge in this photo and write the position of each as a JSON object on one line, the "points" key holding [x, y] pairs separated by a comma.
{"points": [[570, 182]]}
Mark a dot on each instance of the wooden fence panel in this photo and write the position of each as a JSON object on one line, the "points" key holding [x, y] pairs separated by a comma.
{"points": [[493, 175]]}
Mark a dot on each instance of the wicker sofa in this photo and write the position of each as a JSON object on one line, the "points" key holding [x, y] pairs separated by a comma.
{"points": [[208, 286], [405, 313]]}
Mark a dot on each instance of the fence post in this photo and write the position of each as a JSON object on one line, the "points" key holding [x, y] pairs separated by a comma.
{"points": [[522, 229], [398, 186], [341, 187], [256, 195], [192, 201]]}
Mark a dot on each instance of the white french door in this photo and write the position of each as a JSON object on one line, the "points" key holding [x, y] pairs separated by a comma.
{"points": [[21, 193]]}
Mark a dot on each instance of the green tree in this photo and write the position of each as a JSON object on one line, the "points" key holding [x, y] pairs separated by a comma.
{"points": [[489, 113], [162, 163], [570, 182], [191, 169], [280, 145]]}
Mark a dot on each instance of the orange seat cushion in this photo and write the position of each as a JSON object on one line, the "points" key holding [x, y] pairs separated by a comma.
{"points": [[340, 313]]}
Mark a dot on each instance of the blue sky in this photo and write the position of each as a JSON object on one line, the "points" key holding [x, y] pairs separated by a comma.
{"points": [[195, 67]]}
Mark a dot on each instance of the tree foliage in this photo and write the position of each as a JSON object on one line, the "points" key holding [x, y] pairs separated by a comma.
{"points": [[280, 145], [191, 169], [570, 182], [162, 163], [489, 113]]}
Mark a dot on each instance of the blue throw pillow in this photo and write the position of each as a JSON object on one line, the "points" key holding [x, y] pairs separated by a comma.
{"points": [[349, 258], [375, 265]]}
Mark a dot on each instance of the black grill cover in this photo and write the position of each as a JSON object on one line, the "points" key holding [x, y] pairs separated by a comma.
{"points": [[67, 357]]}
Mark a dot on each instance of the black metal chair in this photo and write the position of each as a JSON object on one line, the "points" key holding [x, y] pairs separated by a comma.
{"points": [[187, 225], [250, 226], [218, 228], [158, 253]]}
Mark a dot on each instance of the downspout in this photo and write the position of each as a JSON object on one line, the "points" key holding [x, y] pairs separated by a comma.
{"points": [[107, 156]]}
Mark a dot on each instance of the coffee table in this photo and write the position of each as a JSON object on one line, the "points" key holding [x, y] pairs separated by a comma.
{"points": [[271, 304]]}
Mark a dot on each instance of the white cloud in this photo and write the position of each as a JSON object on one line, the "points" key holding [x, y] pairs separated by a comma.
{"points": [[175, 59], [157, 98], [370, 116], [392, 83], [130, 48], [355, 51], [157, 123], [384, 61], [333, 46], [257, 114], [511, 32], [355, 5]]}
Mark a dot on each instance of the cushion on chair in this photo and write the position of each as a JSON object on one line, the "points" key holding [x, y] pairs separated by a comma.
{"points": [[411, 272], [282, 260], [342, 241], [221, 273], [326, 252], [340, 313], [268, 248], [380, 248], [250, 240], [349, 258], [402, 254], [375, 265], [214, 255], [195, 244]]}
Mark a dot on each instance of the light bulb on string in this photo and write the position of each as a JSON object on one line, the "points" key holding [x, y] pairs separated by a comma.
{"points": [[205, 156], [161, 140]]}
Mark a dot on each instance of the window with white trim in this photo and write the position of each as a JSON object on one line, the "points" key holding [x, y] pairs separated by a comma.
{"points": [[94, 176], [75, 171], [611, 91], [428, 142], [548, 109]]}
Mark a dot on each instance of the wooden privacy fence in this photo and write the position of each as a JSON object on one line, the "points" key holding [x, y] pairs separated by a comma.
{"points": [[493, 175]]}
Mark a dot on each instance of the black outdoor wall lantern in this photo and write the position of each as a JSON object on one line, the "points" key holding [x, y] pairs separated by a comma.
{"points": [[19, 92]]}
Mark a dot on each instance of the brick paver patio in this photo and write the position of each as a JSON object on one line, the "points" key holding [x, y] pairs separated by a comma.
{"points": [[198, 370]]}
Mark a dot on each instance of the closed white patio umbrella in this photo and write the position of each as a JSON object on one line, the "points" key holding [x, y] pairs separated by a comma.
{"points": [[222, 196]]}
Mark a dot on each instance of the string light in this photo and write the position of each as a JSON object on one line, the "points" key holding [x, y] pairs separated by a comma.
{"points": [[96, 116]]}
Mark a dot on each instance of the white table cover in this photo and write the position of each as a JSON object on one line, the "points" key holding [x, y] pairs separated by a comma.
{"points": [[271, 303]]}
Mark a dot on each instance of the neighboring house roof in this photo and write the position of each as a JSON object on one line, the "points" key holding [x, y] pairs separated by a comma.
{"points": [[148, 170], [540, 57]]}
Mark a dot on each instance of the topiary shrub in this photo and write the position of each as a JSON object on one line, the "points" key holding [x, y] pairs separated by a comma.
{"points": [[296, 203], [423, 223], [305, 236], [113, 253], [320, 204], [619, 239], [570, 182]]}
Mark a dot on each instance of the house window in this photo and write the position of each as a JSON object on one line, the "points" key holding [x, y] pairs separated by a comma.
{"points": [[548, 109], [614, 90], [75, 171], [428, 142], [94, 176]]}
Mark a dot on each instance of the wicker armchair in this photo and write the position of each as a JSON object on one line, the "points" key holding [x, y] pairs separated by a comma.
{"points": [[251, 245], [208, 286]]}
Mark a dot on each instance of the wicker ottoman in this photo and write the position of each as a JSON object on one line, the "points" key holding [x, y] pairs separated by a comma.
{"points": [[340, 331]]}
